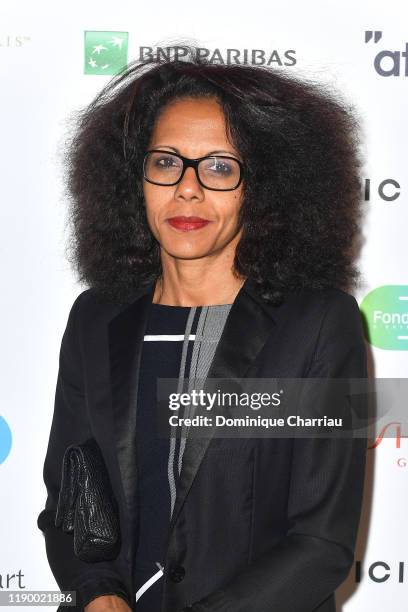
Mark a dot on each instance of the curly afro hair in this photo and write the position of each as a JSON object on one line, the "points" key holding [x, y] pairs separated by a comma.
{"points": [[302, 190]]}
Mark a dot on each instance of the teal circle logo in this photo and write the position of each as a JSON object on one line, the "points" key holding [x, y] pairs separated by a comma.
{"points": [[5, 439]]}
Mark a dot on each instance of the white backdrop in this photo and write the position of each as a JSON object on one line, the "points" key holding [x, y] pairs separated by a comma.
{"points": [[360, 48]]}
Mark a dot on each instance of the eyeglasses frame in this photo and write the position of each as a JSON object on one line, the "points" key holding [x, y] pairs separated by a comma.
{"points": [[193, 163]]}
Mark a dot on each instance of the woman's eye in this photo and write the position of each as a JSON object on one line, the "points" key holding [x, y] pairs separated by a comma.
{"points": [[165, 162], [220, 168]]}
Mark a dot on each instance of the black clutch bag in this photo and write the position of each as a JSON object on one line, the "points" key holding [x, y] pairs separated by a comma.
{"points": [[86, 504]]}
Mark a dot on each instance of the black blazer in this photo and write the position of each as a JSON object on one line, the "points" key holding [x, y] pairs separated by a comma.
{"points": [[259, 525]]}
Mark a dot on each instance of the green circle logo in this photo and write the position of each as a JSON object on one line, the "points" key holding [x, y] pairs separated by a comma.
{"points": [[385, 313]]}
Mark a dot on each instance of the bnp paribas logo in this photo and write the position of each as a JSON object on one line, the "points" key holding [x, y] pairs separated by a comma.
{"points": [[385, 311], [105, 52]]}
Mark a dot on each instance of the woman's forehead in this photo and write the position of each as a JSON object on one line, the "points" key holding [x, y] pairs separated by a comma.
{"points": [[192, 121], [191, 112]]}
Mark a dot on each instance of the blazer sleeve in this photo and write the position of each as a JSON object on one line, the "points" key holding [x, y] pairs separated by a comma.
{"points": [[70, 425], [325, 497]]}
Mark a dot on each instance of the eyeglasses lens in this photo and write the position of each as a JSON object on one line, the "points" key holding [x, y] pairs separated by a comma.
{"points": [[215, 172]]}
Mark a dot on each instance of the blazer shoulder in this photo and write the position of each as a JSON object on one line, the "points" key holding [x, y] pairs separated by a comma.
{"points": [[315, 304], [89, 307], [326, 297], [323, 311], [340, 305], [84, 301], [85, 296], [338, 316]]}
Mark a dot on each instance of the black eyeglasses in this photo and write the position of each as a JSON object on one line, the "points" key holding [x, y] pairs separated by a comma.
{"points": [[215, 172]]}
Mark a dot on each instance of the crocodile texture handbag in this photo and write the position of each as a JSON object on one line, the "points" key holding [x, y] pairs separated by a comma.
{"points": [[86, 504]]}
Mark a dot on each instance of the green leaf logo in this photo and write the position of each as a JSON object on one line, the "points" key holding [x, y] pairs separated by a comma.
{"points": [[105, 52], [385, 313]]}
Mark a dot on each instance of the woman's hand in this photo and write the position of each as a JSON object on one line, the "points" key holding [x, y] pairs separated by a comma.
{"points": [[107, 602]]}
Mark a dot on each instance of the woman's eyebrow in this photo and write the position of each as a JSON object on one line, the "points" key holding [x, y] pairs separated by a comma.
{"points": [[210, 153]]}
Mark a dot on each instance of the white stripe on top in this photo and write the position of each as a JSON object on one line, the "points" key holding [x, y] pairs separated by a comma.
{"points": [[167, 337]]}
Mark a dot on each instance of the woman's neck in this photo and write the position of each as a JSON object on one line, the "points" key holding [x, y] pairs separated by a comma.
{"points": [[174, 292]]}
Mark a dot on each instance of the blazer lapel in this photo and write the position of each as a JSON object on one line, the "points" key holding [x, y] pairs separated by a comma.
{"points": [[126, 332], [248, 325]]}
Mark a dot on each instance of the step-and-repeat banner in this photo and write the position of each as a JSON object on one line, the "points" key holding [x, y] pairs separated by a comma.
{"points": [[53, 59]]}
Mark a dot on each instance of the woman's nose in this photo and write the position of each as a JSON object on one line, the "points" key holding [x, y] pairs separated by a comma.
{"points": [[189, 185]]}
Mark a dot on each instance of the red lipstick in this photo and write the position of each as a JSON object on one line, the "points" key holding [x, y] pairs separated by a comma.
{"points": [[187, 224]]}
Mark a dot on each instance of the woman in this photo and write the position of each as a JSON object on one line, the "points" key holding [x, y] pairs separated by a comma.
{"points": [[214, 210]]}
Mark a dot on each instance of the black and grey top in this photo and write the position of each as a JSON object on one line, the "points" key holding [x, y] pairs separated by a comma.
{"points": [[180, 342]]}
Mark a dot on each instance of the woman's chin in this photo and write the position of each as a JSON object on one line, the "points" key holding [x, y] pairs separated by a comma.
{"points": [[187, 251]]}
